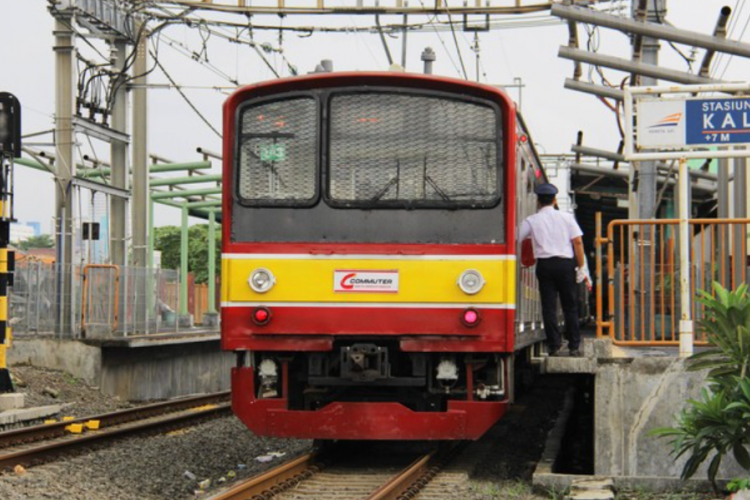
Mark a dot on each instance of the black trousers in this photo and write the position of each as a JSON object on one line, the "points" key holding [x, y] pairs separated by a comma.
{"points": [[557, 278]]}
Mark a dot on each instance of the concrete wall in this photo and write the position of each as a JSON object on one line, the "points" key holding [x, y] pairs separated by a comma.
{"points": [[634, 396], [78, 359], [134, 370], [165, 371]]}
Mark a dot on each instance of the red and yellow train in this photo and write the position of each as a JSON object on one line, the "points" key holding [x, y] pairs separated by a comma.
{"points": [[370, 285]]}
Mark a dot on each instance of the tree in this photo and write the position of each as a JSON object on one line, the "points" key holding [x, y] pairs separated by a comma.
{"points": [[41, 241], [167, 240]]}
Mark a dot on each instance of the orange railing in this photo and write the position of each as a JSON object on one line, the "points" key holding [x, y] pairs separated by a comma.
{"points": [[642, 257]]}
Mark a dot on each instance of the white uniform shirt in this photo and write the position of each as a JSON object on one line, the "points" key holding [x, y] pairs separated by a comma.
{"points": [[551, 232]]}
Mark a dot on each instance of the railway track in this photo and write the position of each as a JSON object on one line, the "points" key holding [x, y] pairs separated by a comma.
{"points": [[343, 477], [32, 445]]}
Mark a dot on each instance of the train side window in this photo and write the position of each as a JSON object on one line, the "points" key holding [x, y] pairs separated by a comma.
{"points": [[277, 153]]}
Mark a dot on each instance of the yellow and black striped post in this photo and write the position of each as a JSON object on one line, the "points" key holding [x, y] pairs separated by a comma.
{"points": [[10, 148]]}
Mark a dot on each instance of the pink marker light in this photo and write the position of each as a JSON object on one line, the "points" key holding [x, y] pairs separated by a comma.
{"points": [[470, 317]]}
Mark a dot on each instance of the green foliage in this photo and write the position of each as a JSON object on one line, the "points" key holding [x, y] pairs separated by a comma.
{"points": [[741, 483], [167, 240], [727, 325], [718, 423], [41, 241]]}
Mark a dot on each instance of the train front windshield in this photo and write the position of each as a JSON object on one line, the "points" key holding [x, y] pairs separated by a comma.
{"points": [[378, 150]]}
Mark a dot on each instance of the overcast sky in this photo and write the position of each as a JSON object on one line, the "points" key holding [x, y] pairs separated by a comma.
{"points": [[554, 114]]}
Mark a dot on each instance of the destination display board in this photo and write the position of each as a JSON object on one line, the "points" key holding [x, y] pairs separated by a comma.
{"points": [[679, 123]]}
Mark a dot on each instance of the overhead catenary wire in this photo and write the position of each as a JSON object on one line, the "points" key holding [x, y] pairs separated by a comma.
{"points": [[442, 42], [496, 23], [182, 49], [186, 98], [455, 41]]}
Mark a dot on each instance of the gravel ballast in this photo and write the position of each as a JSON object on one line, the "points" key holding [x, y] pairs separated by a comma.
{"points": [[164, 466]]}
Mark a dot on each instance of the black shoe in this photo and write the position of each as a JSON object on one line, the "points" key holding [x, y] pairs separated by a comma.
{"points": [[553, 352], [575, 353]]}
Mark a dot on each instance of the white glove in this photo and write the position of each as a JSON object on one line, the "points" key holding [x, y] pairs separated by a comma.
{"points": [[580, 274]]}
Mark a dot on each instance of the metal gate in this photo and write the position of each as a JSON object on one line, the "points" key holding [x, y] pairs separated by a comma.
{"points": [[642, 275]]}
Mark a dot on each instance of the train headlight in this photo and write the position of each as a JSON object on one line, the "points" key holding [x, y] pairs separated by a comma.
{"points": [[471, 282], [261, 280]]}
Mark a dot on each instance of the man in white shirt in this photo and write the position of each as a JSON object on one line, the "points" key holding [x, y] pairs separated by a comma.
{"points": [[558, 249]]}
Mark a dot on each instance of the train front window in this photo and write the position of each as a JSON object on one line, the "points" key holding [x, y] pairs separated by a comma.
{"points": [[277, 153], [404, 150]]}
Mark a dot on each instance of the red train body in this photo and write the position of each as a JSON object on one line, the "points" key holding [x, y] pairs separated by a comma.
{"points": [[369, 278]]}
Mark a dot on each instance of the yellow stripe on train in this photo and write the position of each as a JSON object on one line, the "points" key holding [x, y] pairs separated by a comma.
{"points": [[312, 280]]}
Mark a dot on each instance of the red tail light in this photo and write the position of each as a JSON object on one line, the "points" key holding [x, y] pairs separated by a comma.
{"points": [[470, 317], [261, 315]]}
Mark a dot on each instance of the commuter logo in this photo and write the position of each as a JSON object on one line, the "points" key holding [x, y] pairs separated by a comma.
{"points": [[365, 281]]}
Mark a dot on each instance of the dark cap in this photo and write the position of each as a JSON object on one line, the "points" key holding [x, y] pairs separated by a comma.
{"points": [[545, 190]]}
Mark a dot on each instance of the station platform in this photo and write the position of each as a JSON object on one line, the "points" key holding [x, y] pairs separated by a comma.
{"points": [[135, 368], [636, 390]]}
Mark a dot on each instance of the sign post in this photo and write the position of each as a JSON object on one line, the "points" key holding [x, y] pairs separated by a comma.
{"points": [[679, 127], [10, 148], [686, 320]]}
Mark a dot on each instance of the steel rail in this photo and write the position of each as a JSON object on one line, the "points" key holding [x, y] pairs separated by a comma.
{"points": [[408, 482], [273, 481], [51, 431], [30, 456], [404, 485]]}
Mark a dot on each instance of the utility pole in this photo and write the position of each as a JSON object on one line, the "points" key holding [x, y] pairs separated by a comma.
{"points": [[141, 186], [211, 316], [119, 157], [65, 167], [140, 194], [647, 49], [655, 12]]}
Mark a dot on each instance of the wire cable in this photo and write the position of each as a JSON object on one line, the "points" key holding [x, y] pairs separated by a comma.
{"points": [[455, 41], [186, 98], [442, 42]]}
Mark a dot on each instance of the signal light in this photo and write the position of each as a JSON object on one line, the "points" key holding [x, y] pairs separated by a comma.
{"points": [[470, 317], [261, 316]]}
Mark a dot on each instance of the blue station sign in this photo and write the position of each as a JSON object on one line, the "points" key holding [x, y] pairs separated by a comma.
{"points": [[682, 123], [717, 121]]}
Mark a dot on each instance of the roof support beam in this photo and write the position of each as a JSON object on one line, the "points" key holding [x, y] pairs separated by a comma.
{"points": [[185, 194], [653, 30], [193, 179], [153, 168], [632, 67], [591, 88]]}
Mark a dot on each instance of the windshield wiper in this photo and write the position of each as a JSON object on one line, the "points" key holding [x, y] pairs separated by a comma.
{"points": [[390, 184], [439, 191]]}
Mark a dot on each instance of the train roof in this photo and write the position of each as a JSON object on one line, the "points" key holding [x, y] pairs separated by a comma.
{"points": [[374, 78]]}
